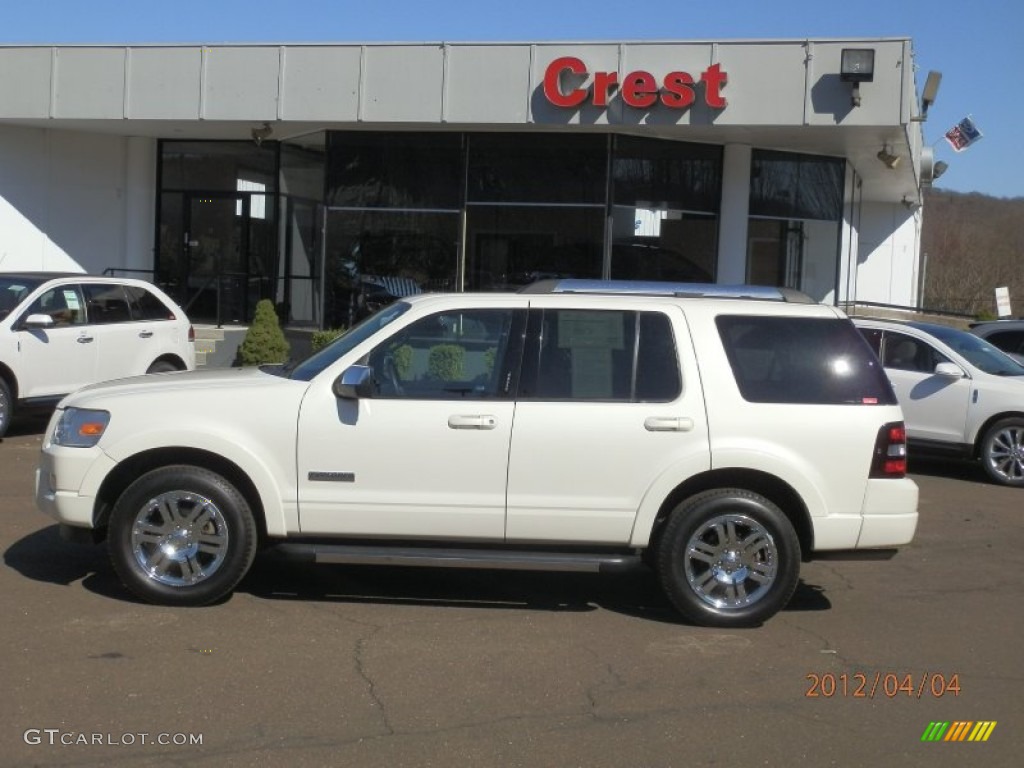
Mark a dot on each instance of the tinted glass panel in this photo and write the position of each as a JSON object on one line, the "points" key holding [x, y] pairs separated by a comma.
{"points": [[667, 174], [802, 360], [795, 186], [217, 165], [601, 355], [394, 170], [657, 362], [64, 304], [106, 303], [451, 355], [145, 306], [541, 168], [511, 246], [14, 288]]}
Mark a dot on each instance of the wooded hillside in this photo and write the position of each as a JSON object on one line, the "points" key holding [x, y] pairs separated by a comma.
{"points": [[970, 245]]}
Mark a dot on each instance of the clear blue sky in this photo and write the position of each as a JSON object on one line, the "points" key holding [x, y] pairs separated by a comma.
{"points": [[976, 44]]}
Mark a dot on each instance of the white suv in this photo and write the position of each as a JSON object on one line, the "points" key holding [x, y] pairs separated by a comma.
{"points": [[719, 438], [961, 395], [59, 332]]}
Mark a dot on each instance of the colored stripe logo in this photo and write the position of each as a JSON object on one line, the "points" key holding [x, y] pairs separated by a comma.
{"points": [[959, 730]]}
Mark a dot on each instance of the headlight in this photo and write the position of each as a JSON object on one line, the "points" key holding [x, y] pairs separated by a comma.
{"points": [[80, 427]]}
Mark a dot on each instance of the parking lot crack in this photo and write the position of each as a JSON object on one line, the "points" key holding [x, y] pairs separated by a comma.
{"points": [[358, 657]]}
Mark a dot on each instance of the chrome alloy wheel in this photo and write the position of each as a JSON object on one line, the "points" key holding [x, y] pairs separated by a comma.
{"points": [[179, 538], [1005, 454], [731, 561]]}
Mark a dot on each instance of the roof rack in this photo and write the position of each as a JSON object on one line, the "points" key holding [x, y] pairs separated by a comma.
{"points": [[681, 290]]}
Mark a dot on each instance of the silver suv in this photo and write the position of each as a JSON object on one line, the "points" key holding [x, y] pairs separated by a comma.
{"points": [[575, 426]]}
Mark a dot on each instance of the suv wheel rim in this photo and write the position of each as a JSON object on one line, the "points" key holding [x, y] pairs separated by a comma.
{"points": [[1006, 454], [731, 561], [179, 539]]}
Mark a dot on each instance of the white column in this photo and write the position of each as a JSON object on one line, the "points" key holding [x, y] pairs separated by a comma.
{"points": [[139, 192], [732, 223]]}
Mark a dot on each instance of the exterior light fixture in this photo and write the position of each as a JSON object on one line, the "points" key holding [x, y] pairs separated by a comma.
{"points": [[939, 169], [888, 159], [857, 65], [261, 133]]}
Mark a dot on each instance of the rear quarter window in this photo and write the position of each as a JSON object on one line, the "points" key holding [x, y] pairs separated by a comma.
{"points": [[802, 360]]}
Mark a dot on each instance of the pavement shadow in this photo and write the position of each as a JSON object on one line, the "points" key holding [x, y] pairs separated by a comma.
{"points": [[969, 471], [45, 557]]}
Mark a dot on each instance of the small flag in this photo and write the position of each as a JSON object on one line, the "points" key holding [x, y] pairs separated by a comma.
{"points": [[963, 134]]}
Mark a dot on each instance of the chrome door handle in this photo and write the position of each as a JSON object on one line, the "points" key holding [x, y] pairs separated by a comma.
{"points": [[472, 422], [145, 334], [668, 424]]}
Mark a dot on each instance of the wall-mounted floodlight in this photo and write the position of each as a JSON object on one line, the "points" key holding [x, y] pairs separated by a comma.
{"points": [[887, 158], [856, 66]]}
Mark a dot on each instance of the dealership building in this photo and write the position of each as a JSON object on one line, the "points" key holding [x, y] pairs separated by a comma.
{"points": [[330, 177]]}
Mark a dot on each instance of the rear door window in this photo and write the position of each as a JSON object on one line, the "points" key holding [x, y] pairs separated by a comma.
{"points": [[802, 360]]}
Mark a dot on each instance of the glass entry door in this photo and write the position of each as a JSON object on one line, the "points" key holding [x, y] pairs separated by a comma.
{"points": [[228, 243]]}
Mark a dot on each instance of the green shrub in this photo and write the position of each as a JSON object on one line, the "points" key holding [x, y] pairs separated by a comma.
{"points": [[322, 338], [986, 314], [264, 341], [446, 362], [403, 361]]}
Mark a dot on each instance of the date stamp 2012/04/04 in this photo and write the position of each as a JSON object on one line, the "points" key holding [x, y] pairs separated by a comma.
{"points": [[890, 685]]}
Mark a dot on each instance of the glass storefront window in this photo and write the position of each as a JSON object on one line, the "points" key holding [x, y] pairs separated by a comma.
{"points": [[216, 165], [793, 235], [394, 170], [795, 186], [664, 218], [511, 246], [537, 168], [375, 257]]}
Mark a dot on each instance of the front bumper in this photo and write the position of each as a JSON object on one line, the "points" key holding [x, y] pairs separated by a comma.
{"points": [[68, 482]]}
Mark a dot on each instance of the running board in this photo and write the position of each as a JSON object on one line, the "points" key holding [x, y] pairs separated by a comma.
{"points": [[457, 558]]}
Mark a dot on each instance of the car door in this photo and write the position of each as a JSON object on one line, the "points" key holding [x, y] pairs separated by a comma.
{"points": [[934, 406], [125, 346], [603, 410], [59, 358], [427, 454]]}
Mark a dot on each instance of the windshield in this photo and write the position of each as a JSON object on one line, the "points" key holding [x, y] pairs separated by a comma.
{"points": [[305, 370], [977, 351], [13, 288]]}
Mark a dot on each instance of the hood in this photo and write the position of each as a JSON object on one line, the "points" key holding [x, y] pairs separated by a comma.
{"points": [[179, 383]]}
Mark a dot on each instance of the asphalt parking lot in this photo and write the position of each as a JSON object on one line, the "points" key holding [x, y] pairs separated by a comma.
{"points": [[351, 666]]}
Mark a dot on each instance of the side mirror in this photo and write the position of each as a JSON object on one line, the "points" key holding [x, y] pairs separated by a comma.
{"points": [[39, 321], [950, 370], [355, 382]]}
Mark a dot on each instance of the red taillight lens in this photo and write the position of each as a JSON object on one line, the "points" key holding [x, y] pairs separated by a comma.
{"points": [[191, 333], [890, 459]]}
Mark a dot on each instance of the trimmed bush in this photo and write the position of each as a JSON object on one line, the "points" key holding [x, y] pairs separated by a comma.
{"points": [[322, 338], [403, 361], [264, 341], [446, 362]]}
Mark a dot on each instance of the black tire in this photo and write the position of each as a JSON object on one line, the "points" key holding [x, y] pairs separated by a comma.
{"points": [[162, 366], [1002, 452], [728, 557], [181, 535], [6, 407]]}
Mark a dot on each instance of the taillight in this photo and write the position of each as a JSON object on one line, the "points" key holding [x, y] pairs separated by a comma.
{"points": [[191, 333], [890, 459]]}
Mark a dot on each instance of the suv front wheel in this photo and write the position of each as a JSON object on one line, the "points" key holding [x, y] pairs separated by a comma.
{"points": [[181, 535], [728, 558]]}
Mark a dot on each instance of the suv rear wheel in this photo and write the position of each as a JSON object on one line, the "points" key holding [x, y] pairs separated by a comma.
{"points": [[1002, 452], [181, 535], [728, 558]]}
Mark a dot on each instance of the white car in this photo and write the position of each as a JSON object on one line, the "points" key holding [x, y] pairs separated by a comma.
{"points": [[576, 426], [59, 332], [961, 395]]}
